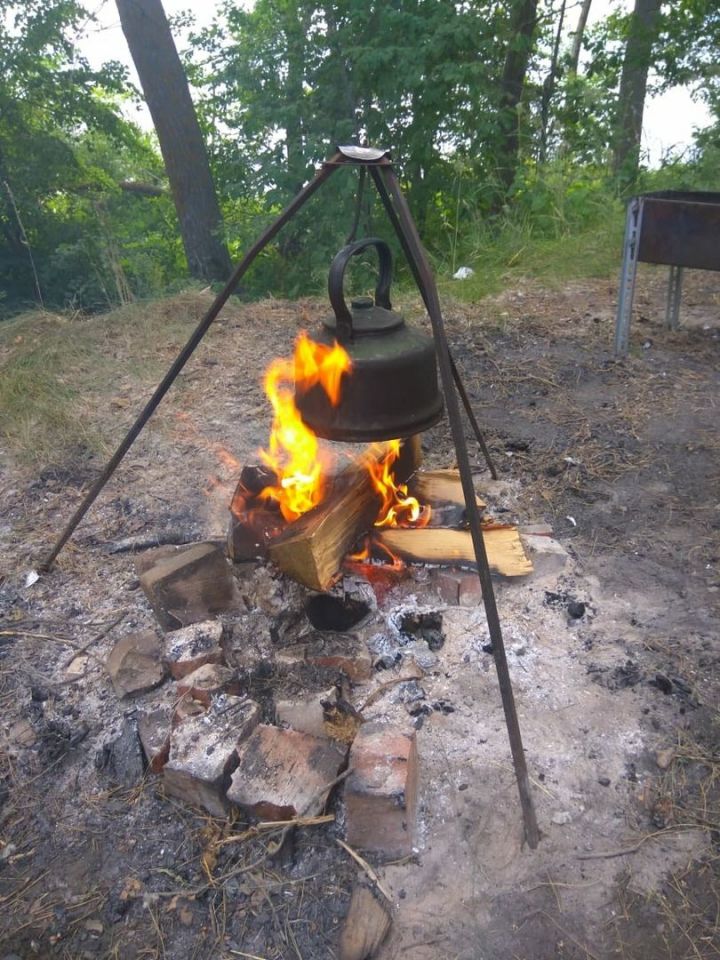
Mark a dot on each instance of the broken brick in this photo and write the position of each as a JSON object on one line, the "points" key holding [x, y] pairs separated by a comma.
{"points": [[154, 728], [345, 652], [282, 773], [190, 585], [135, 665], [381, 792], [193, 646], [208, 681], [203, 752]]}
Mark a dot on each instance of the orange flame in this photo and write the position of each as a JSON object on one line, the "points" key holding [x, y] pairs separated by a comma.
{"points": [[398, 507], [293, 452]]}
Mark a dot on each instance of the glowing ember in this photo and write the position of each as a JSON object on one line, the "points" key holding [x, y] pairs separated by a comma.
{"points": [[398, 507], [293, 453]]}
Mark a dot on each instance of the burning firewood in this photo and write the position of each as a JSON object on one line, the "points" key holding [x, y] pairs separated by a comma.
{"points": [[312, 548]]}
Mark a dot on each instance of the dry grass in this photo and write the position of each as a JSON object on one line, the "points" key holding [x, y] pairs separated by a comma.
{"points": [[67, 382]]}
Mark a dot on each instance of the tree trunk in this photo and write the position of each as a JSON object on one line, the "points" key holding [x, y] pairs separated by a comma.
{"points": [[633, 87], [548, 88], [168, 98], [578, 35], [523, 21]]}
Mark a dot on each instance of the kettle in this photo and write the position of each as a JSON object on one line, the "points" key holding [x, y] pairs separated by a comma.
{"points": [[392, 390]]}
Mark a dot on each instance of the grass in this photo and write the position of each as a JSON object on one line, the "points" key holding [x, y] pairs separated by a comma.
{"points": [[512, 252], [64, 379]]}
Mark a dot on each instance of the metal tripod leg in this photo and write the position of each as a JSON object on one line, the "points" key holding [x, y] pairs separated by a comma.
{"points": [[392, 216], [187, 351], [407, 233]]}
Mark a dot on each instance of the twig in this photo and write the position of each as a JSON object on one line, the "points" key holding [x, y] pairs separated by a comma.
{"points": [[96, 639], [377, 693], [366, 867], [39, 636], [267, 825], [611, 854]]}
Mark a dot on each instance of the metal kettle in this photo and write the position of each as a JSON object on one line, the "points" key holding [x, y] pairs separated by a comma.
{"points": [[392, 389]]}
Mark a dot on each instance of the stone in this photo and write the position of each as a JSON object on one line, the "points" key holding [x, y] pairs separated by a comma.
{"points": [[204, 752], [191, 585], [381, 793], [548, 556], [282, 773], [345, 652], [135, 664], [663, 758], [208, 681], [561, 818], [154, 727], [191, 647]]}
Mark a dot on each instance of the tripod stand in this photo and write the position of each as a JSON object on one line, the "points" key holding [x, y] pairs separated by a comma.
{"points": [[379, 165]]}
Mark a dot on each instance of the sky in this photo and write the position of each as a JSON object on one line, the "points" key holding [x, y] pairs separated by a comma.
{"points": [[668, 122]]}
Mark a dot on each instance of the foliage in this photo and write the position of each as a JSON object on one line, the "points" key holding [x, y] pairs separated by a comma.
{"points": [[69, 235]]}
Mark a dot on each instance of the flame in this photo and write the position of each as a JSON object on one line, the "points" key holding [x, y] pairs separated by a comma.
{"points": [[293, 450], [398, 507]]}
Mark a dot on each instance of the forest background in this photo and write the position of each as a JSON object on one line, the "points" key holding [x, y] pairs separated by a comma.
{"points": [[515, 128]]}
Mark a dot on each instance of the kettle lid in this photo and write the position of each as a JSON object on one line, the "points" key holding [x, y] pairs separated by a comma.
{"points": [[367, 318]]}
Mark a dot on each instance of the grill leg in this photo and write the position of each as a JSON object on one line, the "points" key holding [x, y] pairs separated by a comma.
{"points": [[674, 294], [633, 226]]}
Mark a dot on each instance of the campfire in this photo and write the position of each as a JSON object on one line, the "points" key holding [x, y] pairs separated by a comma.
{"points": [[315, 507]]}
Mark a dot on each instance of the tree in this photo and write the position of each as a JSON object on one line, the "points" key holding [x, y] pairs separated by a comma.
{"points": [[168, 98], [642, 32], [522, 27], [578, 35]]}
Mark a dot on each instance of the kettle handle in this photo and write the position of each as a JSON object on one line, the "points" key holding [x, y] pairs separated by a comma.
{"points": [[337, 275]]}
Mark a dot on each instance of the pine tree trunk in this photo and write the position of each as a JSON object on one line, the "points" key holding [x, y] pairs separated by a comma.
{"points": [[633, 87], [523, 22], [168, 98]]}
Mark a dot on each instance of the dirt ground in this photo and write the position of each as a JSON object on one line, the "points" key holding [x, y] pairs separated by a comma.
{"points": [[614, 660]]}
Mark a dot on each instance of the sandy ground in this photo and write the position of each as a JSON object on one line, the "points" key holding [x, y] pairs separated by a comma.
{"points": [[620, 458]]}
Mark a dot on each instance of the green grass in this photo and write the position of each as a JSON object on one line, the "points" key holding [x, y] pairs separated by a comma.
{"points": [[513, 251]]}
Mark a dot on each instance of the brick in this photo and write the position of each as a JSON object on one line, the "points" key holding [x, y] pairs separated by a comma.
{"points": [[448, 587], [548, 556], [135, 664], [193, 646], [344, 652], [208, 681], [470, 589], [190, 585], [154, 727], [281, 773], [204, 752], [381, 793]]}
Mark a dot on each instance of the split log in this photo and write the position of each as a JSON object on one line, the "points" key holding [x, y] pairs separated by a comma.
{"points": [[439, 545], [439, 486], [366, 924], [312, 548]]}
